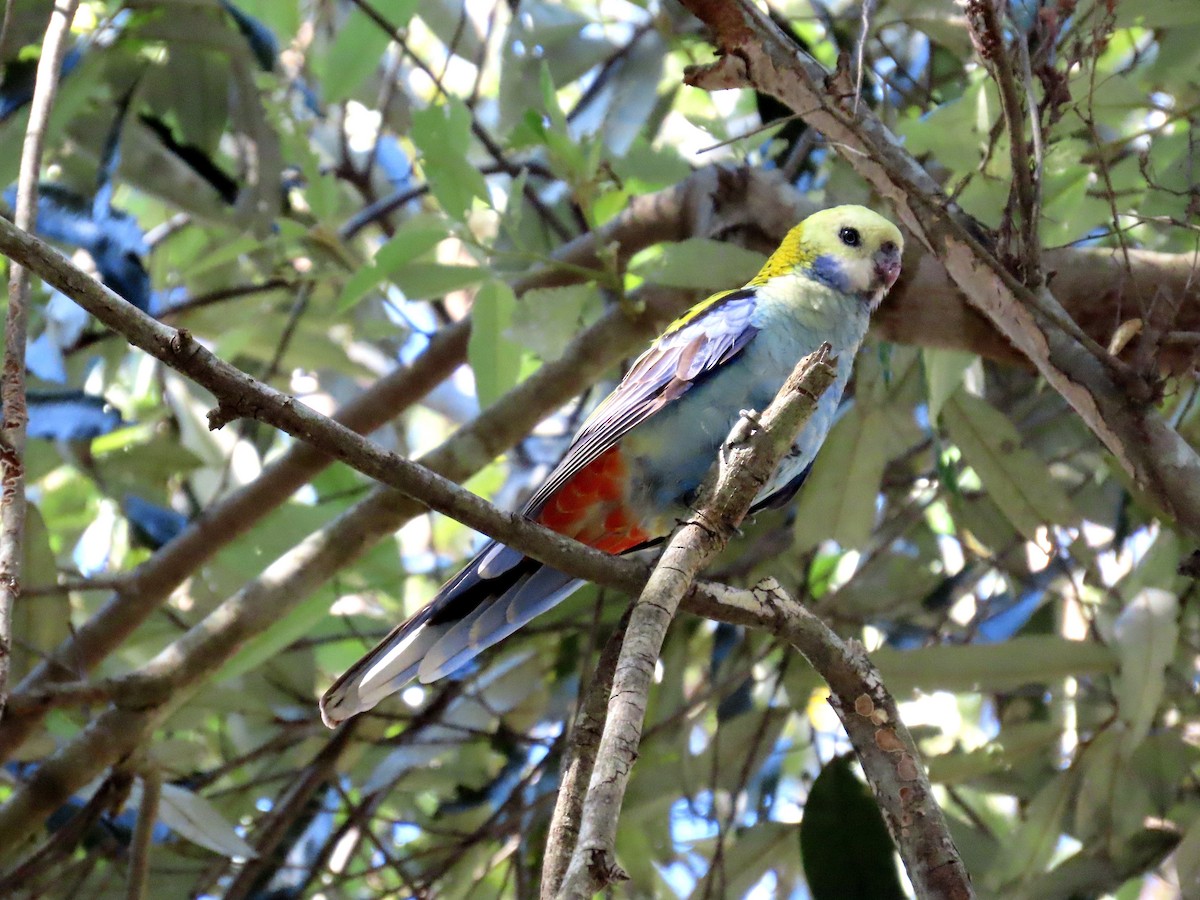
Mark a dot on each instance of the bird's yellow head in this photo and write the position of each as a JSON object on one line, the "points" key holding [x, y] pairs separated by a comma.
{"points": [[849, 248]]}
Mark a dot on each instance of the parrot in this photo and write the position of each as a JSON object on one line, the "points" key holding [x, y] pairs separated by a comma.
{"points": [[633, 467]]}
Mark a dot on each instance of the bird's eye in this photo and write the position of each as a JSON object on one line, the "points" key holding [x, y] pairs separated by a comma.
{"points": [[850, 237]]}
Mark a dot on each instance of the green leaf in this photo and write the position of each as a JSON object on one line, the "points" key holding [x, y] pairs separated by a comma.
{"points": [[565, 49], [268, 644], [700, 263], [647, 168], [992, 667], [358, 49], [38, 568], [944, 370], [1030, 847], [495, 359], [1162, 762], [194, 818], [39, 624], [454, 27], [1013, 744], [197, 78], [1014, 477], [548, 318], [1100, 768], [357, 286], [410, 241], [634, 93], [1187, 861], [741, 745], [421, 281], [443, 134], [838, 499], [1144, 635], [767, 847], [844, 842]]}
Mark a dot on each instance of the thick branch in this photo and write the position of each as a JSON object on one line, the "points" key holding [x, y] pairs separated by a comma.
{"points": [[987, 35], [580, 761], [1115, 407], [749, 457]]}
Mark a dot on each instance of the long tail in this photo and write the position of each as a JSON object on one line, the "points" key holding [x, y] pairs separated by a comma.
{"points": [[498, 592]]}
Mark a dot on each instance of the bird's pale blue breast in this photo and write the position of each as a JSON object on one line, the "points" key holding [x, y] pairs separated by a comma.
{"points": [[669, 454]]}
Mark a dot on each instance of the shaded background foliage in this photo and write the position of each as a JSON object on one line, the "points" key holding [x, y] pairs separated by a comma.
{"points": [[316, 189]]}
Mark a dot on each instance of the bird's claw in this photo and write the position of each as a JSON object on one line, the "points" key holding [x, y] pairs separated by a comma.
{"points": [[748, 422], [751, 416]]}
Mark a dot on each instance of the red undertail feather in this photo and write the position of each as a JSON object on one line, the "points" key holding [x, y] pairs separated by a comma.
{"points": [[591, 507]]}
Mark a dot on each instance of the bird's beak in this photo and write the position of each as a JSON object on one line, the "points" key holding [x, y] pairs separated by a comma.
{"points": [[887, 265]]}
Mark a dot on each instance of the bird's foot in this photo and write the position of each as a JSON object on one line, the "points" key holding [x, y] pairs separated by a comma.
{"points": [[748, 422]]}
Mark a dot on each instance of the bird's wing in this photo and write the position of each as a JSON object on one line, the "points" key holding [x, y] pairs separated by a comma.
{"points": [[713, 333]]}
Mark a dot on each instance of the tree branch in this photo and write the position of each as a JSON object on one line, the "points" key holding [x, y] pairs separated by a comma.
{"points": [[273, 828], [137, 881], [748, 458], [577, 768], [12, 379], [987, 35]]}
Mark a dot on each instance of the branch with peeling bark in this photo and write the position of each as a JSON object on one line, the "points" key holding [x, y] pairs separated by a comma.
{"points": [[1111, 400], [580, 762]]}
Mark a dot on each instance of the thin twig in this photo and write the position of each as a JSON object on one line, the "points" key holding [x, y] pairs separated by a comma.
{"points": [[54, 696], [988, 37], [860, 52], [12, 380], [137, 885], [99, 583], [1035, 133], [299, 307], [5, 23]]}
